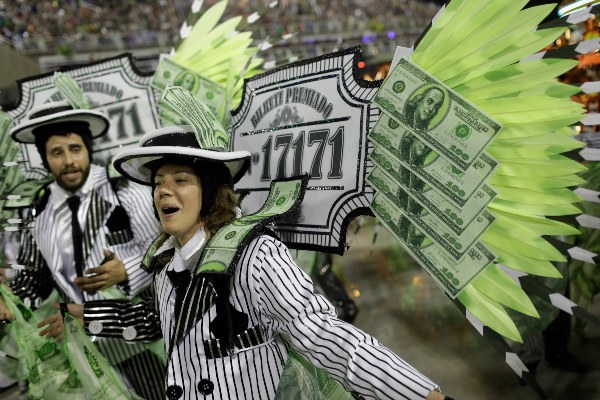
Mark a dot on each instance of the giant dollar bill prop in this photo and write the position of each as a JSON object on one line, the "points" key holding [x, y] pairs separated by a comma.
{"points": [[430, 174], [113, 86], [310, 117], [225, 247], [169, 73], [440, 117]]}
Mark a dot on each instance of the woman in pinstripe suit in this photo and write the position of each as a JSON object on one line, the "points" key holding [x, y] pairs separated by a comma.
{"points": [[268, 299]]}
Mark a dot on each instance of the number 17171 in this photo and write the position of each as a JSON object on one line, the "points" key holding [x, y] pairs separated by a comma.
{"points": [[319, 137]]}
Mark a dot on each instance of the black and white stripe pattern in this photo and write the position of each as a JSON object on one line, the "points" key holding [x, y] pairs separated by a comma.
{"points": [[252, 337], [145, 373], [277, 296], [41, 254], [116, 315], [34, 283]]}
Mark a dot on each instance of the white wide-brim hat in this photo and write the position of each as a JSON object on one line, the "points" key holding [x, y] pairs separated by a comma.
{"points": [[173, 142], [58, 113]]}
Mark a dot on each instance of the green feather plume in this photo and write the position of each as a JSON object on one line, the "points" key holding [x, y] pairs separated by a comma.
{"points": [[218, 52], [533, 180]]}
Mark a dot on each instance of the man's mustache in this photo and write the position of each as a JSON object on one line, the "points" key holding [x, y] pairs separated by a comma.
{"points": [[69, 170]]}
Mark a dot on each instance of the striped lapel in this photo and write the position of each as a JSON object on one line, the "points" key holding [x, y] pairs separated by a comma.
{"points": [[198, 299], [96, 218], [47, 240], [200, 295]]}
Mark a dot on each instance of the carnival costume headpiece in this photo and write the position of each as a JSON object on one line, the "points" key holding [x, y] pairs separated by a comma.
{"points": [[185, 142], [59, 113]]}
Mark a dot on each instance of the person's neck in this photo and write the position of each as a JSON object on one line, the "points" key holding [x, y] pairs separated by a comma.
{"points": [[185, 238]]}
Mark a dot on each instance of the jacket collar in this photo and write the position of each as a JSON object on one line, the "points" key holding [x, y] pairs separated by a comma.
{"points": [[189, 253]]}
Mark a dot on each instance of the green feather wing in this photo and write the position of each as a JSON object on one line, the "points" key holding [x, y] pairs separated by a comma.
{"points": [[489, 311], [534, 179]]}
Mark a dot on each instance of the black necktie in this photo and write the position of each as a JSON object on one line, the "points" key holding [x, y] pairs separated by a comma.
{"points": [[73, 203], [180, 281]]}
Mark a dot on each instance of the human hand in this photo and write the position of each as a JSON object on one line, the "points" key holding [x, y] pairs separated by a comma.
{"points": [[108, 274], [53, 325]]}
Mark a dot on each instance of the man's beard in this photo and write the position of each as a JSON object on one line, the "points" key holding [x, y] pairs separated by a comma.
{"points": [[73, 187]]}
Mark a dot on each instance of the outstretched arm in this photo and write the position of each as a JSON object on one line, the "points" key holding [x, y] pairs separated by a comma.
{"points": [[355, 359]]}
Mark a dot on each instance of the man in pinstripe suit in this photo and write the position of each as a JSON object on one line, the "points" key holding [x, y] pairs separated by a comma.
{"points": [[265, 307], [101, 248]]}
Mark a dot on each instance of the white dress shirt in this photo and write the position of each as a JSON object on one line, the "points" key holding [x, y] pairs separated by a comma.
{"points": [[62, 218]]}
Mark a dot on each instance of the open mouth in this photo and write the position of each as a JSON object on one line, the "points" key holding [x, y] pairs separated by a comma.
{"points": [[168, 210]]}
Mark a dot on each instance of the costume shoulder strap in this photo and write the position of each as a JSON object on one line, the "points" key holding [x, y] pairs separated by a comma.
{"points": [[269, 232], [222, 252], [151, 262]]}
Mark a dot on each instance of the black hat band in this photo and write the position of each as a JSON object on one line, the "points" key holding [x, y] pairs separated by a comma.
{"points": [[178, 139], [50, 110]]}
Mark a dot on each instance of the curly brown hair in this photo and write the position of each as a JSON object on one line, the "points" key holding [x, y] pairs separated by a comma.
{"points": [[219, 201]]}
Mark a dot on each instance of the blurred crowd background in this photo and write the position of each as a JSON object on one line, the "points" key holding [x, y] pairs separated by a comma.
{"points": [[46, 35], [67, 27]]}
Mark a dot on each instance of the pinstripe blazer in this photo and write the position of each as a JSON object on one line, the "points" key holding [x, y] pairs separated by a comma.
{"points": [[122, 221], [272, 306]]}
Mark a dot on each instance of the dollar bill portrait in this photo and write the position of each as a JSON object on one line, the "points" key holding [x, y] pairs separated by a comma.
{"points": [[188, 81], [426, 107]]}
